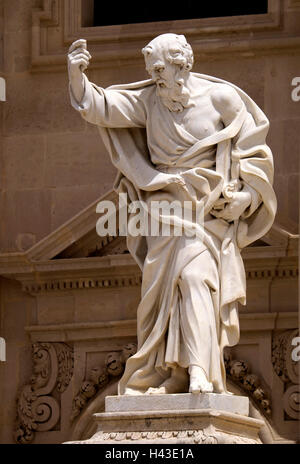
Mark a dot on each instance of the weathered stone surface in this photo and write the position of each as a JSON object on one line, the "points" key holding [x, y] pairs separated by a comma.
{"points": [[178, 402], [187, 426]]}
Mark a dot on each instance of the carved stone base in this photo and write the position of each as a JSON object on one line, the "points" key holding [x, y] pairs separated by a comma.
{"points": [[176, 426]]}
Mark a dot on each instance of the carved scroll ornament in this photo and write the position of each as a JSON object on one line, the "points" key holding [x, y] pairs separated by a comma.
{"points": [[239, 372], [98, 377], [38, 405], [287, 370]]}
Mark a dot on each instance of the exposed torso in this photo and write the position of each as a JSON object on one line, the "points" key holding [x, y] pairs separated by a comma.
{"points": [[200, 119], [170, 134]]}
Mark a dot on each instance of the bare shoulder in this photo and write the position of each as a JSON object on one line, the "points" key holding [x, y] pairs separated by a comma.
{"points": [[226, 100], [223, 95]]}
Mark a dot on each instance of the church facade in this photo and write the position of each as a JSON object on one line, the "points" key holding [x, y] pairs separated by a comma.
{"points": [[69, 297]]}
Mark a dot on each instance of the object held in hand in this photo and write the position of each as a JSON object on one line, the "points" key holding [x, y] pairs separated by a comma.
{"points": [[231, 188]]}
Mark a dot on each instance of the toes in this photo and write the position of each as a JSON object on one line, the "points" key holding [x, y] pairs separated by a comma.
{"points": [[155, 391], [151, 391], [208, 390], [195, 387], [194, 390], [199, 387]]}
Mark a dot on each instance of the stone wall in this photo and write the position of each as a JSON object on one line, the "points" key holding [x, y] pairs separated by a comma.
{"points": [[53, 165]]}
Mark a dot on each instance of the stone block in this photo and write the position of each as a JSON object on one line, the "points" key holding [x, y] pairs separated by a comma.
{"points": [[23, 162], [77, 159], [284, 295], [39, 104], [17, 48], [16, 318], [189, 421], [100, 305], [249, 76], [283, 201], [24, 211], [284, 141], [178, 402], [280, 71], [17, 15], [69, 201], [293, 196], [257, 296], [56, 309]]}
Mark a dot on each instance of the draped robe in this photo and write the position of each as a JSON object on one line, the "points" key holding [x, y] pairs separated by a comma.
{"points": [[158, 159]]}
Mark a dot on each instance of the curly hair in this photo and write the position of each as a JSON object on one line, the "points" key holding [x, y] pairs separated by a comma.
{"points": [[177, 49]]}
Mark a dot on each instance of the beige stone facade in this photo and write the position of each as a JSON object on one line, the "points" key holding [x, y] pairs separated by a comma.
{"points": [[68, 298]]}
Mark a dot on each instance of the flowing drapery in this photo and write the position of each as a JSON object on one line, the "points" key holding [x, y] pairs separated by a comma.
{"points": [[193, 175]]}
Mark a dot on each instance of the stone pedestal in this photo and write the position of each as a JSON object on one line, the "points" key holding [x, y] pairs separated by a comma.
{"points": [[176, 419]]}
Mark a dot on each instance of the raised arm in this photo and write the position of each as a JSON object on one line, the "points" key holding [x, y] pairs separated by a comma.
{"points": [[78, 61], [114, 108]]}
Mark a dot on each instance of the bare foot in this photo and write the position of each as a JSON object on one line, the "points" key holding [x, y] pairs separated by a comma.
{"points": [[177, 383], [198, 381], [130, 391], [156, 390]]}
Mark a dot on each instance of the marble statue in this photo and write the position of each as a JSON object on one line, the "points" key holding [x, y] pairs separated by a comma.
{"points": [[188, 137]]}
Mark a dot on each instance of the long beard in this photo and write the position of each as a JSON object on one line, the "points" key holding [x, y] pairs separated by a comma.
{"points": [[174, 95]]}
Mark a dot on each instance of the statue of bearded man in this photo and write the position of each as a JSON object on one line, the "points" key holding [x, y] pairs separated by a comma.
{"points": [[182, 136]]}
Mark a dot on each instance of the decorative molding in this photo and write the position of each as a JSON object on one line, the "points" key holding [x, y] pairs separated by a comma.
{"points": [[206, 436], [42, 18], [98, 378], [202, 437], [144, 31], [113, 45], [117, 270], [81, 283], [239, 372], [288, 371], [84, 331], [286, 269], [77, 238], [206, 426], [75, 257], [78, 227], [294, 4], [38, 406]]}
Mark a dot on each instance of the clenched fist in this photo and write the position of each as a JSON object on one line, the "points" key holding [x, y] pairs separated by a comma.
{"points": [[78, 57], [78, 61]]}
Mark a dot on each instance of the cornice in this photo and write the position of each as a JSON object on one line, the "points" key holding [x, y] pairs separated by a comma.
{"points": [[113, 46], [121, 271], [75, 257], [75, 332]]}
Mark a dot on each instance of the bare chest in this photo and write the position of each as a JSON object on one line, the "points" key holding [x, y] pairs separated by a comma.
{"points": [[200, 119]]}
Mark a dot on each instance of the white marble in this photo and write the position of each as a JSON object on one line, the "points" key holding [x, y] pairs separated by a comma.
{"points": [[184, 136], [188, 426], [178, 402]]}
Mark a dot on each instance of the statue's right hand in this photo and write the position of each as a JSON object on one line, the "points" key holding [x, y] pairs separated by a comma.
{"points": [[78, 57]]}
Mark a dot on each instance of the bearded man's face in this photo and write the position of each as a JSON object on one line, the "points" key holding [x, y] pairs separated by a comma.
{"points": [[170, 80]]}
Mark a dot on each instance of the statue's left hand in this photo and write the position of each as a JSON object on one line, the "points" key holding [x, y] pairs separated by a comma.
{"points": [[235, 207]]}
